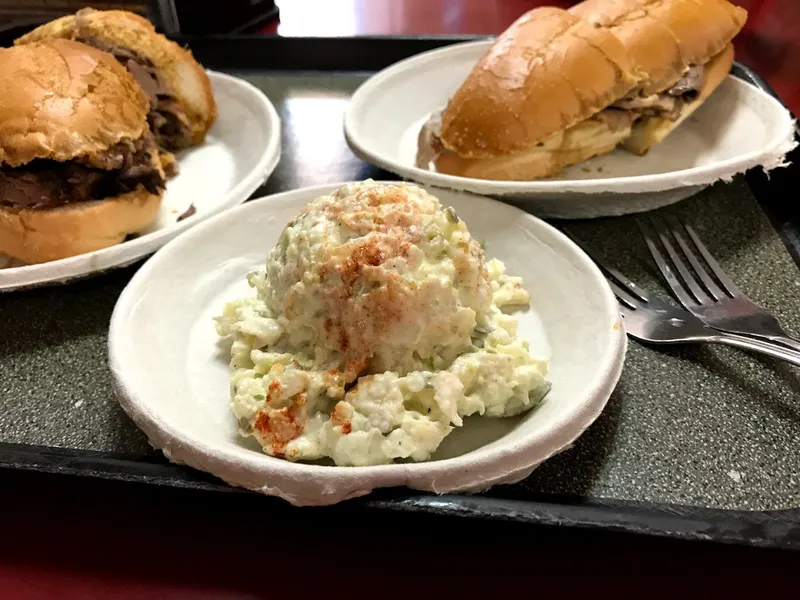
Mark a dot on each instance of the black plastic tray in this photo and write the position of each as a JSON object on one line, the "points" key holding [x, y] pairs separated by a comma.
{"points": [[295, 56]]}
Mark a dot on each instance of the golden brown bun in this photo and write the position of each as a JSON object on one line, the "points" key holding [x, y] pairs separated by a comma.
{"points": [[665, 37], [60, 99], [651, 130], [580, 142], [181, 72], [36, 236], [548, 71]]}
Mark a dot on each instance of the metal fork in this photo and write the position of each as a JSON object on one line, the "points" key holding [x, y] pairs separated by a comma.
{"points": [[714, 300], [655, 321]]}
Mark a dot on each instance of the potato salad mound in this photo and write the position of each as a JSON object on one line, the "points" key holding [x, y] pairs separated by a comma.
{"points": [[374, 330]]}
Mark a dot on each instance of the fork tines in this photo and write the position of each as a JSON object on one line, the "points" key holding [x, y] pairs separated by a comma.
{"points": [[685, 273]]}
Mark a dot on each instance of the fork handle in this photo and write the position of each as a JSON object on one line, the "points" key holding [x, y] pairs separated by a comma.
{"points": [[784, 340], [789, 355]]}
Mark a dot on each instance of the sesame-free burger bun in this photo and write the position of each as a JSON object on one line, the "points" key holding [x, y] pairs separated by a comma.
{"points": [[79, 169], [185, 78], [60, 99], [36, 236]]}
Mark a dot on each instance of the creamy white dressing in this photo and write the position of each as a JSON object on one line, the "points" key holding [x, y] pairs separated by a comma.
{"points": [[375, 329]]}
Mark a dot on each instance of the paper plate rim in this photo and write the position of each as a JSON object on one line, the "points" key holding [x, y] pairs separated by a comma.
{"points": [[702, 175], [84, 265], [308, 484]]}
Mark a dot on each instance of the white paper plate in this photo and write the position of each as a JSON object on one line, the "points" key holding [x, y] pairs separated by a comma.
{"points": [[738, 128], [241, 151], [171, 370]]}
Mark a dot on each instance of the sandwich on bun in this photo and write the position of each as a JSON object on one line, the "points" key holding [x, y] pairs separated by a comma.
{"points": [[682, 47], [79, 168], [182, 106], [537, 101]]}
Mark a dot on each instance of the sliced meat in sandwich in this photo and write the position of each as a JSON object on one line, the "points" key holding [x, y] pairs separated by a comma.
{"points": [[537, 101], [182, 106], [79, 167], [683, 47]]}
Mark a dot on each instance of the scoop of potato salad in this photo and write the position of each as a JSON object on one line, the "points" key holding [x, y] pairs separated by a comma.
{"points": [[374, 330]]}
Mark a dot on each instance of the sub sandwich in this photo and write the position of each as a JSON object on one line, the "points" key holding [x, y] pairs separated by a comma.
{"points": [[682, 48], [537, 101], [559, 87]]}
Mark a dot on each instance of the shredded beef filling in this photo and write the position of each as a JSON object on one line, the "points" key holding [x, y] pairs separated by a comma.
{"points": [[167, 119], [668, 103], [616, 119], [188, 212], [690, 84], [43, 184], [428, 144], [656, 104]]}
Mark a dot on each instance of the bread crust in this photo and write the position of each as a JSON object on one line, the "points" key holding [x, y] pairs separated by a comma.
{"points": [[186, 78], [37, 236], [548, 71], [579, 143], [665, 37], [60, 99], [650, 131]]}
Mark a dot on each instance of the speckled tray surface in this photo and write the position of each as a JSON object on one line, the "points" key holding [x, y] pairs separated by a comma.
{"points": [[694, 426]]}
